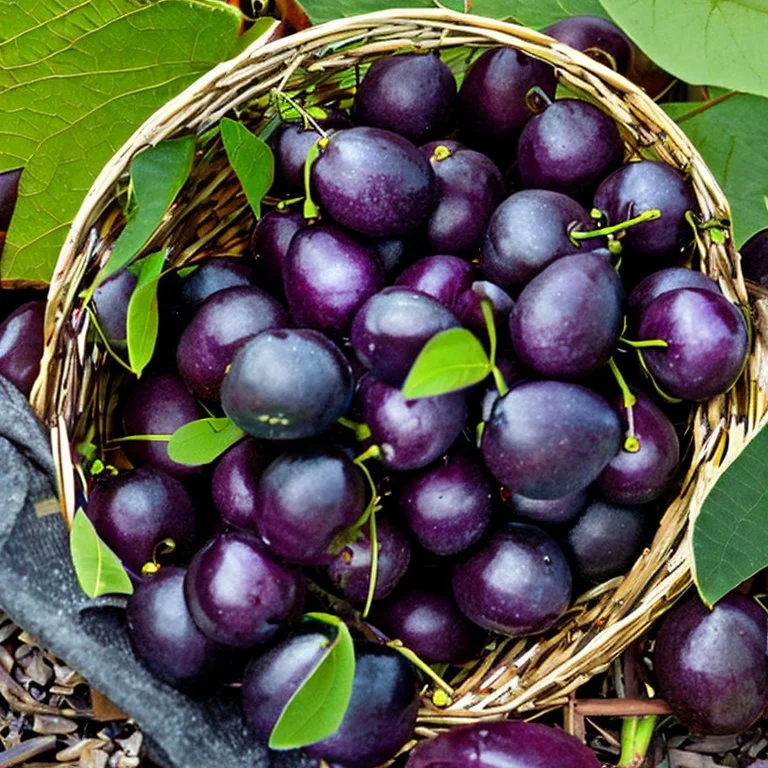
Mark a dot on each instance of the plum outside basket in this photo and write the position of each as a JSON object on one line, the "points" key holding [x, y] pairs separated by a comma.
{"points": [[75, 392]]}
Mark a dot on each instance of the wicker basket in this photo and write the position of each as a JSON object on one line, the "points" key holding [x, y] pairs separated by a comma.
{"points": [[74, 392]]}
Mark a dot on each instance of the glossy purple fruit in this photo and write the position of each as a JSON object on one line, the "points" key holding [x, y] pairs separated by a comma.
{"points": [[291, 143], [549, 439], [663, 281], [381, 714], [518, 583], [21, 345], [234, 482], [139, 508], [566, 322], [390, 251], [529, 231], [304, 500], [606, 540], [237, 594], [637, 477], [470, 187], [569, 147], [503, 744], [444, 278], [287, 384], [711, 665], [274, 676], [468, 306], [110, 302], [222, 324], [410, 433], [449, 505], [597, 37], [707, 342], [412, 94], [392, 327], [350, 570], [493, 95], [163, 635], [9, 189], [212, 275], [645, 185], [158, 405], [549, 511], [430, 624], [754, 258], [328, 274], [269, 245], [374, 182]]}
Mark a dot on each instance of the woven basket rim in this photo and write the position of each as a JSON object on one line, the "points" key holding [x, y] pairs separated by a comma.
{"points": [[735, 416]]}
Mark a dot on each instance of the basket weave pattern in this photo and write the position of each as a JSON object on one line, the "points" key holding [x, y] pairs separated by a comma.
{"points": [[75, 392]]}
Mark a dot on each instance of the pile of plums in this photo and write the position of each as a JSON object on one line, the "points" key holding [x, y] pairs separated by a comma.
{"points": [[433, 202]]}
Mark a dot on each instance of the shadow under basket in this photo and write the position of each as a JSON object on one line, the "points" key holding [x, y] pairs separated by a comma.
{"points": [[320, 66]]}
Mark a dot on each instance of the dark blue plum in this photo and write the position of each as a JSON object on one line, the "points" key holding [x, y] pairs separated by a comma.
{"points": [[222, 324], [470, 187], [548, 511], [381, 714], [566, 322], [448, 506], [707, 342], [304, 499], [468, 306], [663, 281], [158, 405], [642, 186], [549, 439], [412, 94], [606, 540], [430, 624], [234, 482], [517, 583], [392, 327], [444, 278], [110, 302], [754, 258], [410, 433], [269, 245], [374, 182], [163, 635], [529, 231], [237, 594], [287, 384], [493, 95], [350, 570], [569, 147], [21, 345], [597, 37], [214, 274], [327, 275]]}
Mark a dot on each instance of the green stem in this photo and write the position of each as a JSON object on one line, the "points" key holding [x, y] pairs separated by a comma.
{"points": [[653, 381], [361, 429], [305, 116], [423, 666], [704, 106], [140, 439], [107, 345], [373, 538], [577, 234], [636, 735], [644, 344], [498, 378], [631, 443], [311, 211], [490, 325]]}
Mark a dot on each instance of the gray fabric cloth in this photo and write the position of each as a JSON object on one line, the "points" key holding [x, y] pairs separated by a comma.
{"points": [[39, 591]]}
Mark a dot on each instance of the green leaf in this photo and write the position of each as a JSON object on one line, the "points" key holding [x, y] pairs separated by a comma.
{"points": [[730, 534], [310, 210], [99, 570], [202, 441], [76, 80], [451, 360], [727, 136], [142, 318], [251, 159], [157, 175], [534, 13], [705, 42], [316, 709]]}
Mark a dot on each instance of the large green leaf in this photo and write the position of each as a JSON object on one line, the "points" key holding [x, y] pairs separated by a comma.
{"points": [[730, 535], [203, 441], [76, 79], [707, 42], [535, 13], [142, 320], [730, 136], [252, 160]]}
